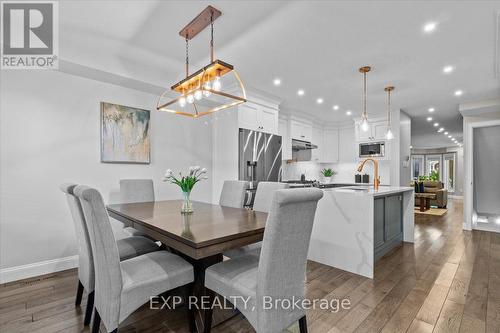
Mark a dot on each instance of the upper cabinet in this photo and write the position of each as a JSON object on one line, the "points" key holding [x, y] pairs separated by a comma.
{"points": [[376, 132], [348, 151], [258, 117], [330, 147], [301, 131]]}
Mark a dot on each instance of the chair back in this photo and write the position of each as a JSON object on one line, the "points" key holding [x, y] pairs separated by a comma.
{"points": [[283, 258], [233, 193], [85, 259], [264, 195], [136, 190], [108, 275]]}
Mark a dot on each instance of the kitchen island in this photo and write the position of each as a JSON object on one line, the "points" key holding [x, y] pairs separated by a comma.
{"points": [[355, 226]]}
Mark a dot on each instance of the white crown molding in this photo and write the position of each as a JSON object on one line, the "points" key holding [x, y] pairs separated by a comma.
{"points": [[38, 268]]}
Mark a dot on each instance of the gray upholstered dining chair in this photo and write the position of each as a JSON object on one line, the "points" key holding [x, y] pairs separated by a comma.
{"points": [[265, 193], [128, 247], [123, 286], [279, 272], [233, 193], [262, 203], [136, 190]]}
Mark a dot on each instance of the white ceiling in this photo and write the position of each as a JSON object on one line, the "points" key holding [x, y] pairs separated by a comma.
{"points": [[317, 46]]}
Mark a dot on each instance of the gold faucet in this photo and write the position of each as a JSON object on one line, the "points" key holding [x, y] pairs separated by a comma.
{"points": [[376, 178]]}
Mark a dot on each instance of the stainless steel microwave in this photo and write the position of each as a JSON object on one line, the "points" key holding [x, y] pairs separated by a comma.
{"points": [[372, 149]]}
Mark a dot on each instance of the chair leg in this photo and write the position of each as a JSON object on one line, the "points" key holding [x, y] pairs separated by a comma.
{"points": [[88, 311], [97, 322], [207, 322], [79, 294], [303, 325], [187, 291]]}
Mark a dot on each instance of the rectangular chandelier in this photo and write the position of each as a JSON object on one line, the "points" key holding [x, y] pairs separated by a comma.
{"points": [[200, 93]]}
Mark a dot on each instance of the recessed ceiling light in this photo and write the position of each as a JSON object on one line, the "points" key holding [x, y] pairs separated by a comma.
{"points": [[449, 136], [301, 92], [348, 112], [436, 124], [458, 93], [277, 82], [448, 69], [430, 27], [445, 133], [429, 118], [335, 107], [431, 110], [441, 129], [319, 100], [411, 147]]}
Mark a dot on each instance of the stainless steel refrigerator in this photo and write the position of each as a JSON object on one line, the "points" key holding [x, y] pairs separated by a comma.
{"points": [[259, 157]]}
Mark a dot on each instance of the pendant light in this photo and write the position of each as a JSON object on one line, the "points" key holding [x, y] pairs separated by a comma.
{"points": [[201, 93], [364, 117], [388, 133]]}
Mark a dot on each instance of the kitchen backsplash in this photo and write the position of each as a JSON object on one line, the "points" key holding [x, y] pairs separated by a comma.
{"points": [[345, 171]]}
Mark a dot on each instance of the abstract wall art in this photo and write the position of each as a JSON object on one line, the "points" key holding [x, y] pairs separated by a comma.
{"points": [[125, 134]]}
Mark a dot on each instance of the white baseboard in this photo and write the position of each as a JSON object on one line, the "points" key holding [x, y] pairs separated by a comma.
{"points": [[486, 227], [456, 196], [37, 268]]}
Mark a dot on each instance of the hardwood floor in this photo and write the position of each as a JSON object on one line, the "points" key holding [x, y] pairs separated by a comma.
{"points": [[448, 281]]}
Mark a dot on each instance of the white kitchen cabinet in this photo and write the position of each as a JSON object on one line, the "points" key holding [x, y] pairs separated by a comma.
{"points": [[376, 132], [258, 118], [286, 142], [348, 147], [330, 148], [317, 139], [301, 131]]}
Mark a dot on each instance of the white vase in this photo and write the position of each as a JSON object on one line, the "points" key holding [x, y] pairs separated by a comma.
{"points": [[327, 180]]}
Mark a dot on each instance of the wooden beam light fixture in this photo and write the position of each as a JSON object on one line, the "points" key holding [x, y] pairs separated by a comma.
{"points": [[200, 93]]}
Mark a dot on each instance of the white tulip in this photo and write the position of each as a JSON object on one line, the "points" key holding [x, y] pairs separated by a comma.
{"points": [[196, 168], [203, 170], [168, 173]]}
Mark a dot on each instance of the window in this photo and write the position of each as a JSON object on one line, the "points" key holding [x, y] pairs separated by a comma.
{"points": [[433, 167], [449, 172], [417, 166]]}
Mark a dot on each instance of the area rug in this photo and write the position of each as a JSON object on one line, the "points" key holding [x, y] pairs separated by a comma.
{"points": [[431, 211]]}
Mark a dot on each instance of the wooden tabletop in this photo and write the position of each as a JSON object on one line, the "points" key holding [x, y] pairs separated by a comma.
{"points": [[210, 230]]}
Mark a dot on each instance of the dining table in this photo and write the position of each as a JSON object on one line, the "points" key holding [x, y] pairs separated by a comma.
{"points": [[200, 237]]}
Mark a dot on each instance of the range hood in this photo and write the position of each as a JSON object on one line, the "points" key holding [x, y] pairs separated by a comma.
{"points": [[302, 145]]}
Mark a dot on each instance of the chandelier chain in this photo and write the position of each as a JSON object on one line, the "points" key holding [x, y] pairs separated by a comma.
{"points": [[187, 55], [212, 37]]}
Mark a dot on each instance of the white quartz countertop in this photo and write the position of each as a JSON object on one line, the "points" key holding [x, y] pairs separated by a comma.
{"points": [[369, 191]]}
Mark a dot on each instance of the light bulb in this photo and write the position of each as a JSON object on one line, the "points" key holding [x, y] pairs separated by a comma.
{"points": [[217, 85], [389, 135], [190, 98], [182, 102], [205, 92], [364, 125], [198, 95]]}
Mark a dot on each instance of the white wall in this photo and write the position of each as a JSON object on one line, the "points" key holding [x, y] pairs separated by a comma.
{"points": [[50, 135], [475, 117], [404, 149]]}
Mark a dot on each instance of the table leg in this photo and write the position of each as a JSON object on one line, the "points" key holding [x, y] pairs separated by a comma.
{"points": [[422, 204], [200, 266], [427, 203]]}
